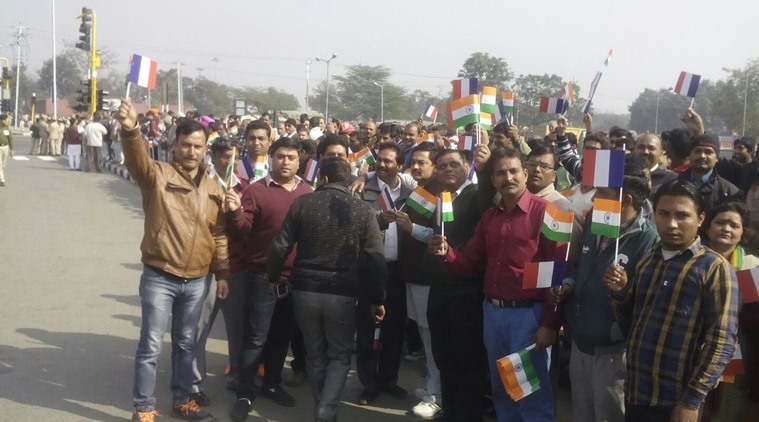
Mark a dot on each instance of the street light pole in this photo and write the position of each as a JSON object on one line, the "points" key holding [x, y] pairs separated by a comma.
{"points": [[382, 101], [326, 106], [745, 103]]}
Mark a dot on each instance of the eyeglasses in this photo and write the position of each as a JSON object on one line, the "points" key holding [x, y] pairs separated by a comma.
{"points": [[543, 166]]}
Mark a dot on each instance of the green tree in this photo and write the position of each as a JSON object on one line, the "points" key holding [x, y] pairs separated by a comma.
{"points": [[68, 76], [529, 90], [741, 88], [671, 107], [489, 70], [268, 99], [209, 97], [27, 86]]}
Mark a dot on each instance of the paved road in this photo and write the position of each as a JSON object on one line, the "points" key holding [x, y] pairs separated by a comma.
{"points": [[69, 271]]}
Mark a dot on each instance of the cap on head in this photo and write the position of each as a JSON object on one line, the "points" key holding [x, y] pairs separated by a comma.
{"points": [[707, 140]]}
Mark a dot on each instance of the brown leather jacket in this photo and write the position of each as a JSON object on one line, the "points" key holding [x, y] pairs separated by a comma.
{"points": [[184, 223]]}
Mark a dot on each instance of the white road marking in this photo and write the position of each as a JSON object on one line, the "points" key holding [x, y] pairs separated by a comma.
{"points": [[20, 158]]}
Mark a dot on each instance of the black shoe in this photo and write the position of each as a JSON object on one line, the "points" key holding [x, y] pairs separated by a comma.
{"points": [[395, 390], [190, 411], [200, 398], [240, 410], [367, 397], [278, 395]]}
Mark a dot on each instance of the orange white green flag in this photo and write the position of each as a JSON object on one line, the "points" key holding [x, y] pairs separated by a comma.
{"points": [[557, 224], [607, 216], [518, 374]]}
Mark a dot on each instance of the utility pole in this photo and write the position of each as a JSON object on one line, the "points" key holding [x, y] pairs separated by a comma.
{"points": [[18, 72], [179, 88], [308, 77], [55, 72], [215, 61]]}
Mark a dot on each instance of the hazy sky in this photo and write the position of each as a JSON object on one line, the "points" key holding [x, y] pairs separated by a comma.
{"points": [[265, 44]]}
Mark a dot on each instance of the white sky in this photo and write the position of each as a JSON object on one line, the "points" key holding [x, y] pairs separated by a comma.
{"points": [[424, 42]]}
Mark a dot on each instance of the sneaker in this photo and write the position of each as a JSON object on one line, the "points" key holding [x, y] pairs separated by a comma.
{"points": [[426, 410], [201, 398], [295, 379], [240, 410], [190, 411], [148, 416], [278, 395], [414, 356]]}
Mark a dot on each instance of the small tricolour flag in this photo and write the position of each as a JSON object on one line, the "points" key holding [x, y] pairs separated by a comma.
{"points": [[608, 57], [464, 111], [603, 168], [261, 166], [467, 143], [486, 120], [488, 99], [363, 155], [592, 93], [143, 71], [428, 137], [541, 275], [422, 202], [552, 105], [446, 207], [748, 283], [518, 374], [431, 112], [607, 216], [557, 224], [464, 87], [472, 173], [312, 170], [687, 84], [245, 169], [508, 101], [386, 202]]}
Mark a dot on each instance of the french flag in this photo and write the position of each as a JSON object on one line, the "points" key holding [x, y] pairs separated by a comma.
{"points": [[386, 201], [541, 275], [603, 168], [464, 87], [431, 112], [687, 84], [245, 169], [312, 169], [553, 105], [593, 87], [142, 71], [467, 143]]}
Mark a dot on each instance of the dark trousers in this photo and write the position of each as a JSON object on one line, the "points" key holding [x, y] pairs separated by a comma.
{"points": [[455, 318], [638, 413], [298, 364], [380, 368], [278, 341]]}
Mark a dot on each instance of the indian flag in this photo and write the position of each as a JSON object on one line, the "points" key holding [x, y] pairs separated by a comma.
{"points": [[607, 215], [508, 101], [603, 168], [245, 169], [465, 110], [486, 120], [422, 202], [541, 275], [518, 374], [444, 209], [557, 224], [487, 99], [260, 168], [363, 155]]}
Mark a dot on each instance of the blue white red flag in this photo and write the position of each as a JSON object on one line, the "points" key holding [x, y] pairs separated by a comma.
{"points": [[143, 71], [464, 87], [687, 84]]}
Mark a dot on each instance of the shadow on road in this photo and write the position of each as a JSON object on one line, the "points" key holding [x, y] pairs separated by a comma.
{"points": [[133, 300], [123, 192]]}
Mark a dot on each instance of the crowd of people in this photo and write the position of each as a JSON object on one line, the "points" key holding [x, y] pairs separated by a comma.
{"points": [[338, 264]]}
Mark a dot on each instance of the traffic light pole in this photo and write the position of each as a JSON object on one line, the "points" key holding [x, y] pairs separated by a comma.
{"points": [[94, 64]]}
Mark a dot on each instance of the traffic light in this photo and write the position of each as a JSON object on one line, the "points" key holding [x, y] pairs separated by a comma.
{"points": [[5, 106], [101, 102], [6, 73], [84, 97], [85, 29]]}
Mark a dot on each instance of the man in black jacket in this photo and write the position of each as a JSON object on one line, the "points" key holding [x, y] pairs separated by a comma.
{"points": [[340, 256], [703, 159]]}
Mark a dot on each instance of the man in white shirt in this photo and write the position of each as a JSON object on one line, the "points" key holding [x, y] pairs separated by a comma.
{"points": [[93, 136]]}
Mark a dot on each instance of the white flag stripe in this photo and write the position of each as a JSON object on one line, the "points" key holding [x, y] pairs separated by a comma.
{"points": [[488, 99], [556, 225], [602, 166], [144, 72], [521, 376], [599, 217]]}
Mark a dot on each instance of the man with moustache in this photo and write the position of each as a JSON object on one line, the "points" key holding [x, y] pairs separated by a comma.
{"points": [[257, 143], [184, 239], [650, 148], [711, 186]]}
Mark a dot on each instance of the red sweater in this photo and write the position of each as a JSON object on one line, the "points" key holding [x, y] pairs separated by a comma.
{"points": [[264, 207], [236, 244]]}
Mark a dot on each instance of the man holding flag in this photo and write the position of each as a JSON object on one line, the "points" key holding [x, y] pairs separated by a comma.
{"points": [[596, 366], [680, 311], [507, 237]]}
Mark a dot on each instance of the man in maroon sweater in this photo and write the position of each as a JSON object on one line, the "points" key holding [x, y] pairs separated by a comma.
{"points": [[264, 206]]}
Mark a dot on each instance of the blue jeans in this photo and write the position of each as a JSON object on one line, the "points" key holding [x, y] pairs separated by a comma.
{"points": [[165, 296], [259, 308], [506, 331]]}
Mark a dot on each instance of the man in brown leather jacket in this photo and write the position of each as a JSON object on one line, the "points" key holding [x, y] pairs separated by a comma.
{"points": [[184, 240]]}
